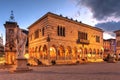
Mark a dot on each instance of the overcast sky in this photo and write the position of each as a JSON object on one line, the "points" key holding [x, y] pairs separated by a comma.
{"points": [[106, 12], [91, 12]]}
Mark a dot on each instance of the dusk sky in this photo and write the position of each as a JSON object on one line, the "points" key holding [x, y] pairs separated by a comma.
{"points": [[91, 12]]}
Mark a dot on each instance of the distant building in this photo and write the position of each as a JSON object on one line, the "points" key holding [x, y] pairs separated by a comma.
{"points": [[1, 46], [1, 40], [109, 46], [117, 32], [57, 38]]}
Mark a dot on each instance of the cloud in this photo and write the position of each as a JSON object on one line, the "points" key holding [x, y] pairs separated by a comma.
{"points": [[102, 9], [109, 26], [107, 35], [106, 13]]}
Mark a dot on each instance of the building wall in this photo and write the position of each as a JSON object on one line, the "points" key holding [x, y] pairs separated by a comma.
{"points": [[1, 46], [118, 46], [109, 47], [54, 47], [72, 29], [117, 41], [10, 45]]}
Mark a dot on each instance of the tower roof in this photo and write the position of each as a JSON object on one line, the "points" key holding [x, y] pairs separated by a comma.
{"points": [[12, 18]]}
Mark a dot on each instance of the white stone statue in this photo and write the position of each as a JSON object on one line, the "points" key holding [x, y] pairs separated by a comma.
{"points": [[21, 40]]}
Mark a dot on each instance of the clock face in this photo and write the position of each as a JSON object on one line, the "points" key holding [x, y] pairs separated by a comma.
{"points": [[11, 31], [10, 35]]}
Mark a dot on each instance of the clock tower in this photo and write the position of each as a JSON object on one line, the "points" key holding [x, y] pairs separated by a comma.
{"points": [[11, 28]]}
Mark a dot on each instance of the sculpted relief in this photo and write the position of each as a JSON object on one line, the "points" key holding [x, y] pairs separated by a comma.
{"points": [[20, 43], [10, 43], [16, 41]]}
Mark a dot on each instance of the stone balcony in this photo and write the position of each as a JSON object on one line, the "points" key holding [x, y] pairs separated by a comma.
{"points": [[82, 41]]}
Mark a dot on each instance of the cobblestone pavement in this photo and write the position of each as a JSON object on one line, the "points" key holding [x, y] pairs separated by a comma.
{"points": [[90, 71]]}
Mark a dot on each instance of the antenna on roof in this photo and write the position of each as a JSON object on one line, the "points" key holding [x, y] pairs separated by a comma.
{"points": [[12, 19]]}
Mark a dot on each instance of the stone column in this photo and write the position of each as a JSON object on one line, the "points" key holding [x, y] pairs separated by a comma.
{"points": [[56, 53]]}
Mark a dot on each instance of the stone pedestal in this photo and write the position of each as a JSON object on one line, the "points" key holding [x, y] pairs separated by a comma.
{"points": [[21, 66], [10, 57]]}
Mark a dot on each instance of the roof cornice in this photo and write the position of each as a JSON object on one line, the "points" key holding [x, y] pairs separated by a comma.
{"points": [[66, 19]]}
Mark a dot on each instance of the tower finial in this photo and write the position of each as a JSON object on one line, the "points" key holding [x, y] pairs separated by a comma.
{"points": [[12, 17]]}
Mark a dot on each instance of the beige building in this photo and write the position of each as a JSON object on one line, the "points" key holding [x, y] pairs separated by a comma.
{"points": [[117, 41], [1, 46], [109, 46], [63, 41]]}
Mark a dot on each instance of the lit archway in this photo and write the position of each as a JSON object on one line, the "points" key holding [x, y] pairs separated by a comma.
{"points": [[74, 53], [68, 53], [40, 52], [36, 52], [80, 53], [90, 53], [53, 52], [61, 52], [44, 52]]}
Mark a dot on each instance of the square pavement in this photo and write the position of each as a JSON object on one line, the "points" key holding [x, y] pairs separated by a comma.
{"points": [[88, 71]]}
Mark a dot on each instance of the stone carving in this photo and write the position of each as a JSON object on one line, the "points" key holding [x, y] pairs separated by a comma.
{"points": [[10, 43], [21, 39]]}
